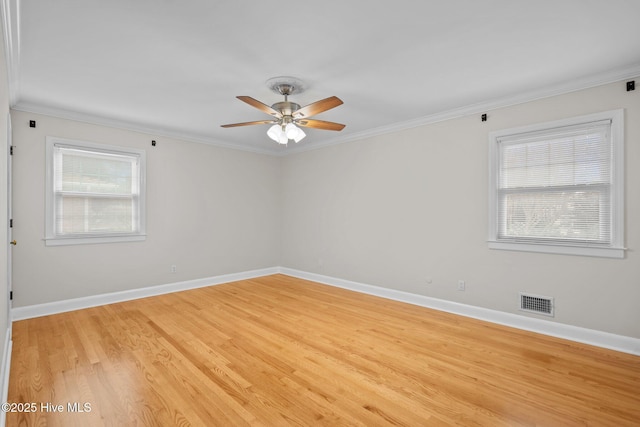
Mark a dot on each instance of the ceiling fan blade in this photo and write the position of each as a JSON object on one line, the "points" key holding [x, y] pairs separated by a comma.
{"points": [[318, 107], [260, 106], [319, 124], [258, 122]]}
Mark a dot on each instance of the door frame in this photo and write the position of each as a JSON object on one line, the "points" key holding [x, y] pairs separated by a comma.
{"points": [[9, 218]]}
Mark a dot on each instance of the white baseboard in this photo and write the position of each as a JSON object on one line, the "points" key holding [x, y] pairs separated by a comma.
{"points": [[29, 312], [546, 327], [573, 333], [5, 369]]}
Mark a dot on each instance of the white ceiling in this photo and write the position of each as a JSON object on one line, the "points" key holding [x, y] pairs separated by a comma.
{"points": [[174, 67]]}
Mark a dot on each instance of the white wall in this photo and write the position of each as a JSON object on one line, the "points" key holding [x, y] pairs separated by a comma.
{"points": [[397, 209], [210, 211], [391, 211]]}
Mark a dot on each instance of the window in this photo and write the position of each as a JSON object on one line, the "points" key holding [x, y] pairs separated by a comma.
{"points": [[558, 187], [95, 193]]}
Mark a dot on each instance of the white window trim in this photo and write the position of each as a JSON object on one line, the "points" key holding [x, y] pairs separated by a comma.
{"points": [[617, 249], [51, 239]]}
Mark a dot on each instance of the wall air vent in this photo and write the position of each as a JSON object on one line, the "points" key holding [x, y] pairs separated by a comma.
{"points": [[536, 304]]}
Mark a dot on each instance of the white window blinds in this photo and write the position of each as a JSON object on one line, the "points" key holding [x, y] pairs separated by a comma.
{"points": [[96, 192], [558, 184]]}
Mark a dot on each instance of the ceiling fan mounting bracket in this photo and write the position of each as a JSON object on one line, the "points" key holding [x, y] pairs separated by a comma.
{"points": [[286, 85]]}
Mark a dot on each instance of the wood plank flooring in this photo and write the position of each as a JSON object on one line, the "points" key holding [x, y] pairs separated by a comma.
{"points": [[279, 351]]}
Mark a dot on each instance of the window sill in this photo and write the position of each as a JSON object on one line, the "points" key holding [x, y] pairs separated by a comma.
{"points": [[63, 241], [559, 249]]}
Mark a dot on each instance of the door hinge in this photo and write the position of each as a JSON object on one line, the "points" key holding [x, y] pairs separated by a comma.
{"points": [[11, 150], [11, 223], [11, 295]]}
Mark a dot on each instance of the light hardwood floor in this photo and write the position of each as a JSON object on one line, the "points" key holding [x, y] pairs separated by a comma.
{"points": [[278, 351]]}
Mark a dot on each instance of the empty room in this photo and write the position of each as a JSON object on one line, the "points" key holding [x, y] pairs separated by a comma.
{"points": [[229, 213]]}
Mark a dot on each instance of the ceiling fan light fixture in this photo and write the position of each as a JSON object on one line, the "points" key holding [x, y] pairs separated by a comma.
{"points": [[291, 130], [274, 132], [299, 135], [294, 132], [282, 136]]}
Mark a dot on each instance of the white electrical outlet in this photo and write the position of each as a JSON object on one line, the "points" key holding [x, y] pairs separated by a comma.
{"points": [[174, 268], [461, 285]]}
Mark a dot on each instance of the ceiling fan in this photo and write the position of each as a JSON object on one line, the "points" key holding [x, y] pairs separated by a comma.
{"points": [[287, 114]]}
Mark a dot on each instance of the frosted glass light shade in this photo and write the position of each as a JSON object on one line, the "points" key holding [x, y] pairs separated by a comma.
{"points": [[300, 134], [291, 130], [274, 132], [294, 132]]}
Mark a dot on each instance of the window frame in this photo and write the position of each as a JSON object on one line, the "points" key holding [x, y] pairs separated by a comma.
{"points": [[52, 238], [616, 247]]}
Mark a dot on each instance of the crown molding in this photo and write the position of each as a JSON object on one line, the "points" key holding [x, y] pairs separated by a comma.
{"points": [[10, 15], [481, 107], [477, 108], [28, 107]]}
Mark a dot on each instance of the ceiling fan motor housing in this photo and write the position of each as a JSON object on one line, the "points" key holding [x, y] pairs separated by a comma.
{"points": [[287, 108]]}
